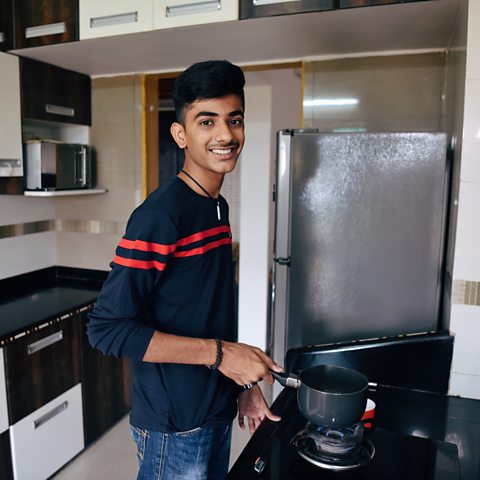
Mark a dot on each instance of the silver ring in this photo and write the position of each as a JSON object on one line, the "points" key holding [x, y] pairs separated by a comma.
{"points": [[248, 386]]}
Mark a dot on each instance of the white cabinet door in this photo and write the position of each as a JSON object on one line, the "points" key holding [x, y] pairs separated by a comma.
{"points": [[179, 13], [114, 17], [3, 397], [11, 164], [48, 438]]}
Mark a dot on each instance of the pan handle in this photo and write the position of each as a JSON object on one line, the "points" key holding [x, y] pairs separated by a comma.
{"points": [[287, 380]]}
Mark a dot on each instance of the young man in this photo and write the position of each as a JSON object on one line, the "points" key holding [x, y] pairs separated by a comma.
{"points": [[168, 302]]}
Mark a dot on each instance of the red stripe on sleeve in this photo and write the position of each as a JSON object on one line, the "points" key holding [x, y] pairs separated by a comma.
{"points": [[205, 248], [146, 246], [201, 235], [142, 264]]}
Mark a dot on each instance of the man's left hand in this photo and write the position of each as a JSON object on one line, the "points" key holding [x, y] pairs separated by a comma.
{"points": [[252, 404]]}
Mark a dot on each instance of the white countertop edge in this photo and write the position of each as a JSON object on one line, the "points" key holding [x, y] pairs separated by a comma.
{"points": [[59, 193]]}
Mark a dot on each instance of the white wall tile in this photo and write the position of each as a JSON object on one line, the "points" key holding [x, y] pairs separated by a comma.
{"points": [[470, 171], [19, 209], [473, 39], [26, 253], [467, 246], [467, 386], [465, 324]]}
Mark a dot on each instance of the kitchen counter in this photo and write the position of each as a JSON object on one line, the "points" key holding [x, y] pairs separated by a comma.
{"points": [[32, 299], [440, 418]]}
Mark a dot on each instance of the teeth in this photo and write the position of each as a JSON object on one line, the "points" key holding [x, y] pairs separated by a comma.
{"points": [[221, 151]]}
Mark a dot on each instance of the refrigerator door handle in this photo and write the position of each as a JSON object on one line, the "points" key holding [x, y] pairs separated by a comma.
{"points": [[282, 261]]}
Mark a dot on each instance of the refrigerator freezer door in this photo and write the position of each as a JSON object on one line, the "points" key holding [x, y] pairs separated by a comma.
{"points": [[366, 235]]}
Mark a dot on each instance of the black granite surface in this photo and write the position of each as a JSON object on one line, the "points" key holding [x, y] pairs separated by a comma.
{"points": [[36, 297]]}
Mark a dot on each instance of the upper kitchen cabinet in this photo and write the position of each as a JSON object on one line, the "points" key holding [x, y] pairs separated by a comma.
{"points": [[10, 121], [180, 13], [268, 8], [55, 94], [44, 22], [369, 3], [114, 17], [6, 25]]}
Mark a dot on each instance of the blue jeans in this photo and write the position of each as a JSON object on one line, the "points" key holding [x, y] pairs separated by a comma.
{"points": [[199, 454]]}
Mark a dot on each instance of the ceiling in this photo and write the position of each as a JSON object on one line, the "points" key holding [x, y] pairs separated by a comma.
{"points": [[424, 25]]}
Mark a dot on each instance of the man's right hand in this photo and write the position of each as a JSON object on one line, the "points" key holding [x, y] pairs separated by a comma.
{"points": [[246, 364]]}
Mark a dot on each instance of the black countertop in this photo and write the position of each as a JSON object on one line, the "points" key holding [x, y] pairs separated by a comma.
{"points": [[31, 299], [433, 416]]}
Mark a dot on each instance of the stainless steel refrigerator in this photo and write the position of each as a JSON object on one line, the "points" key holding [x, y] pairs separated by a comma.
{"points": [[359, 236]]}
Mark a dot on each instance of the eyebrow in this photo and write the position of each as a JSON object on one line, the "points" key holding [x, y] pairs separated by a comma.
{"points": [[235, 113]]}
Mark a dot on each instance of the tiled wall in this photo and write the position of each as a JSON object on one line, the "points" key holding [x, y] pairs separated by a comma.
{"points": [[465, 311]]}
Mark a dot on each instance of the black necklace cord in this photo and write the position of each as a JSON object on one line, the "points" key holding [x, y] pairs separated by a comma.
{"points": [[206, 192]]}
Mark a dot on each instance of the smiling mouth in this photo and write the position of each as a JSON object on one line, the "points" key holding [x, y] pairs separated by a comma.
{"points": [[223, 151]]}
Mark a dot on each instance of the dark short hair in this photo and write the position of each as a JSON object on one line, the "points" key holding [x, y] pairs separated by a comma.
{"points": [[206, 80]]}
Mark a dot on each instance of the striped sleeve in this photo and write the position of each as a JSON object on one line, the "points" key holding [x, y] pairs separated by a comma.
{"points": [[119, 324]]}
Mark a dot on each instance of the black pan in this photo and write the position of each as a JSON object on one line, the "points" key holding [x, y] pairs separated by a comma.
{"points": [[329, 395]]}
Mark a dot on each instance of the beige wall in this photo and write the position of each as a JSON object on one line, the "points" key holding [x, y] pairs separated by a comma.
{"points": [[116, 135]]}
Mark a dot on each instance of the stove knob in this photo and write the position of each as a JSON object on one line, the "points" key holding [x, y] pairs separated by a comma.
{"points": [[259, 465]]}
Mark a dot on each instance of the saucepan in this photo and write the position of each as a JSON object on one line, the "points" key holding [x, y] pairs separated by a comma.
{"points": [[329, 395]]}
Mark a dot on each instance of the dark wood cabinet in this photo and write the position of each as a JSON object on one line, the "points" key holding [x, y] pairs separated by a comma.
{"points": [[106, 386], [40, 365], [6, 471], [370, 3], [44, 22], [252, 9], [55, 94], [6, 25]]}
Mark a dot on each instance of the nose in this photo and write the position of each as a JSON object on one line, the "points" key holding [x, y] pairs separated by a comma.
{"points": [[223, 133]]}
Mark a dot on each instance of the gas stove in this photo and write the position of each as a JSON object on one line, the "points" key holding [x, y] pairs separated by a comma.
{"points": [[284, 451], [410, 422]]}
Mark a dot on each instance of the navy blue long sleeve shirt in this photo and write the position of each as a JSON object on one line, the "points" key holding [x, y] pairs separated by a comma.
{"points": [[172, 272]]}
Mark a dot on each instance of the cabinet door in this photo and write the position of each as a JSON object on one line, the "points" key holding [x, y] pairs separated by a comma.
{"points": [[179, 13], [105, 384], [40, 365], [54, 93], [44, 441], [10, 121], [3, 397], [114, 17], [6, 25], [368, 3], [44, 22], [6, 472], [269, 8]]}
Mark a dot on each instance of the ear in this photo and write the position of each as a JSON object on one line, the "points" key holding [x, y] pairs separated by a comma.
{"points": [[178, 134]]}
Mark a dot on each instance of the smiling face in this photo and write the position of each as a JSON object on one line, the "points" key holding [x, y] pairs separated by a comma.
{"points": [[212, 136]]}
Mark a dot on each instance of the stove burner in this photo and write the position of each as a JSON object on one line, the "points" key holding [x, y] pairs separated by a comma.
{"points": [[334, 448]]}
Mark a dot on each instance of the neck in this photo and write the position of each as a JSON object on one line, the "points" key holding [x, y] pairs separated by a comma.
{"points": [[201, 184]]}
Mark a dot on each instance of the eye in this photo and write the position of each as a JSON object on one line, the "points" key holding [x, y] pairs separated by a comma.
{"points": [[206, 123], [236, 121]]}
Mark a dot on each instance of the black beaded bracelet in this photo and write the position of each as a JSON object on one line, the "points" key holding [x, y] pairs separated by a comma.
{"points": [[219, 358]]}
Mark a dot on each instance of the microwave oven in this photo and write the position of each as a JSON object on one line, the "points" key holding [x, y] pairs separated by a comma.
{"points": [[53, 165]]}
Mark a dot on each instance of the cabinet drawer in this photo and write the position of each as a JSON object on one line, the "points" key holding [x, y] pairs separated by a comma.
{"points": [[39, 366], [3, 397], [6, 26], [179, 13], [48, 438], [55, 94], [269, 8], [44, 23], [114, 17]]}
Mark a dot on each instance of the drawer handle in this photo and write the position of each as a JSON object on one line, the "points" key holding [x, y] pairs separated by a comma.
{"points": [[45, 342], [2, 37], [49, 415], [117, 19], [190, 8], [59, 110], [258, 3], [44, 30], [10, 162]]}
